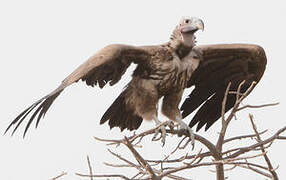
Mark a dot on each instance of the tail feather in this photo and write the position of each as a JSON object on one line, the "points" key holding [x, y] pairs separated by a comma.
{"points": [[119, 115]]}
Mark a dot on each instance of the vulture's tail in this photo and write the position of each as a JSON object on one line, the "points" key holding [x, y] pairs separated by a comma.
{"points": [[119, 115]]}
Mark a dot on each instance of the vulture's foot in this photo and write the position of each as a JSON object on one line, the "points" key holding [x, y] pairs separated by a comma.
{"points": [[183, 127], [171, 124], [161, 130]]}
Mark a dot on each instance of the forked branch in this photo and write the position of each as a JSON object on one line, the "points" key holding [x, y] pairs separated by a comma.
{"points": [[211, 155]]}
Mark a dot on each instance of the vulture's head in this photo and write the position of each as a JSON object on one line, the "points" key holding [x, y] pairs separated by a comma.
{"points": [[183, 35], [187, 28]]}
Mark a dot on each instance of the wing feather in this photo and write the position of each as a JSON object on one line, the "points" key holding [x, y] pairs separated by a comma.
{"points": [[219, 65], [108, 65]]}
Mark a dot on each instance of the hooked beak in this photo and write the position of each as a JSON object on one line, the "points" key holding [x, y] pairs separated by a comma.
{"points": [[193, 26]]}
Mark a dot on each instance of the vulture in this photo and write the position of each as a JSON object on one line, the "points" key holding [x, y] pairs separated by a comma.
{"points": [[163, 71]]}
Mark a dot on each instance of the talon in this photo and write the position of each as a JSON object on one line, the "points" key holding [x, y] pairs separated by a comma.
{"points": [[163, 135], [184, 127], [155, 135], [171, 124], [162, 130]]}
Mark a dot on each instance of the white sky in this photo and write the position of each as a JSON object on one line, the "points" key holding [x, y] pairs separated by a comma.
{"points": [[41, 42]]}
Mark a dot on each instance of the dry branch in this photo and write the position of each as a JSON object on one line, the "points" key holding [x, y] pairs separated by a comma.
{"points": [[243, 137], [212, 156], [59, 176], [89, 167], [270, 167]]}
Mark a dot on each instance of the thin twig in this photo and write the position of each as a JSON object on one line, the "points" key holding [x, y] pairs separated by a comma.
{"points": [[178, 146], [127, 161], [201, 139], [257, 106], [59, 176], [224, 103], [190, 166], [139, 158], [251, 147], [182, 158], [281, 137], [232, 114], [104, 175], [243, 137], [255, 170], [89, 167], [117, 165], [197, 156], [271, 170]]}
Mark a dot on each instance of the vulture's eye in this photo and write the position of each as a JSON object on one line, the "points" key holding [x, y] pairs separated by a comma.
{"points": [[187, 21]]}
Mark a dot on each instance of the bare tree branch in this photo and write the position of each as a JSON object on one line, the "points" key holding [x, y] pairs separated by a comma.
{"points": [[127, 161], [140, 160], [255, 170], [281, 137], [89, 167], [257, 106], [213, 154], [104, 175], [59, 176], [271, 170], [243, 137], [250, 148]]}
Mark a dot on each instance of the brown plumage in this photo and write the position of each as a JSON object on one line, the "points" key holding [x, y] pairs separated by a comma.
{"points": [[219, 65], [162, 71]]}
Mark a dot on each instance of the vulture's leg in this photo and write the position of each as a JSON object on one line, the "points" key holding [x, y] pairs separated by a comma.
{"points": [[163, 131], [171, 110], [145, 101], [184, 127]]}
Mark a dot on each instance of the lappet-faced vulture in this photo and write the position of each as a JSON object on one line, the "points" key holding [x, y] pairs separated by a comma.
{"points": [[163, 71]]}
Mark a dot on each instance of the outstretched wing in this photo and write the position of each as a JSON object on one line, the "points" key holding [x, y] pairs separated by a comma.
{"points": [[219, 65], [108, 65]]}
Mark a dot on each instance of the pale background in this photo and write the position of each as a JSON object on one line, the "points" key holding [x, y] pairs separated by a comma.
{"points": [[41, 42]]}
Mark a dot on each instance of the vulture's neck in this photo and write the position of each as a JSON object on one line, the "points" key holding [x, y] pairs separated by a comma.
{"points": [[181, 45]]}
